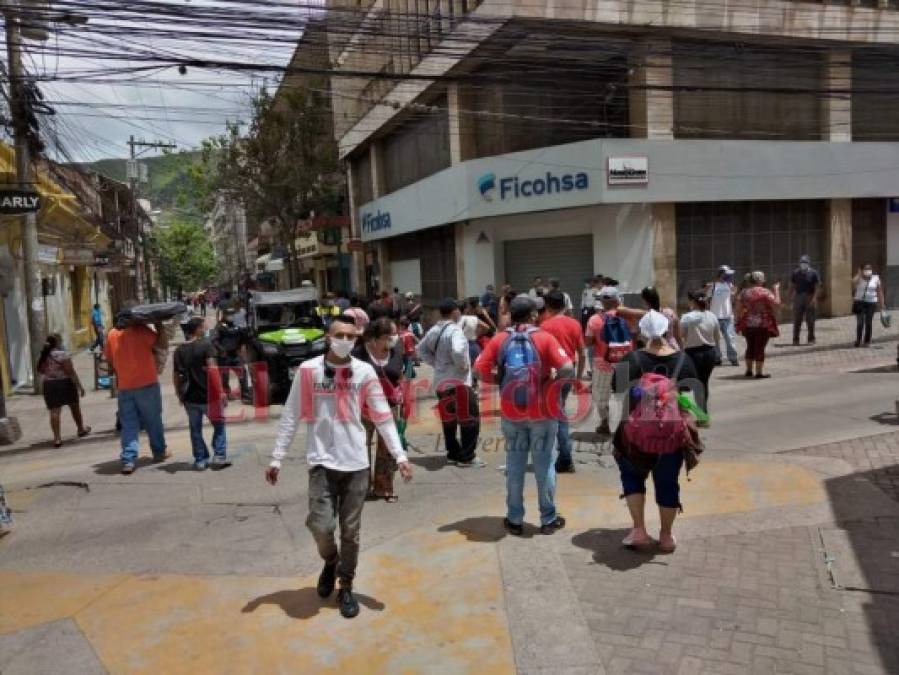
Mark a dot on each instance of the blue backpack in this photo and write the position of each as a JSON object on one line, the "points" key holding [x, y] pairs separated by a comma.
{"points": [[617, 336], [518, 367]]}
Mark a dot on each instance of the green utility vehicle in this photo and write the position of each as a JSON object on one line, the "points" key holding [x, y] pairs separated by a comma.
{"points": [[284, 331]]}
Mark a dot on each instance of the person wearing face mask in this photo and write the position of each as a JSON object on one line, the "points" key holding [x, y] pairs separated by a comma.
{"points": [[804, 284], [328, 394], [868, 294], [721, 294], [381, 349]]}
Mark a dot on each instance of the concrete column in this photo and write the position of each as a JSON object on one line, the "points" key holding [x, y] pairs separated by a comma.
{"points": [[651, 100], [385, 282], [378, 184], [357, 264], [838, 257], [461, 127], [460, 259], [664, 252], [836, 113]]}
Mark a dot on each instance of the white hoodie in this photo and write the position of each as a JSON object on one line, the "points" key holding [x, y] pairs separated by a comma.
{"points": [[335, 437]]}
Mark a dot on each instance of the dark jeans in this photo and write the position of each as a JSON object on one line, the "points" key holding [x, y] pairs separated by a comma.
{"points": [[864, 322], [100, 338], [563, 437], [803, 310], [704, 358], [337, 497], [228, 364], [469, 420]]}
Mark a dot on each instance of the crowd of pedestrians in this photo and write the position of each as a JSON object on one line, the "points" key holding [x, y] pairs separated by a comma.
{"points": [[536, 349]]}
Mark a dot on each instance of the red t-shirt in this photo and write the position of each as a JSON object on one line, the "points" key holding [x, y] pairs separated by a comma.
{"points": [[567, 331], [552, 357]]}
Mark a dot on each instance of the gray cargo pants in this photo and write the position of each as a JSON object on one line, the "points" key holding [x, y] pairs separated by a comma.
{"points": [[337, 497]]}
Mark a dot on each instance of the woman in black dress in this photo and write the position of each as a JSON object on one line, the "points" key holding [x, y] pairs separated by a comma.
{"points": [[61, 386]]}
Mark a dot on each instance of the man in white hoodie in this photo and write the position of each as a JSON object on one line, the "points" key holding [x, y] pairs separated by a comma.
{"points": [[328, 394]]}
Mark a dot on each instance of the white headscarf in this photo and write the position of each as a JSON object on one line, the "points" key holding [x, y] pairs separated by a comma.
{"points": [[653, 325]]}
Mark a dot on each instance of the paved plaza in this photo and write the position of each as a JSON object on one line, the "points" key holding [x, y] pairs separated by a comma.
{"points": [[788, 556]]}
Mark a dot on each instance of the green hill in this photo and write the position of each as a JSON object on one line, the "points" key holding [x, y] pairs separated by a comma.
{"points": [[167, 186]]}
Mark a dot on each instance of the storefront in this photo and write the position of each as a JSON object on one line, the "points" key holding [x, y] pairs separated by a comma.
{"points": [[662, 212]]}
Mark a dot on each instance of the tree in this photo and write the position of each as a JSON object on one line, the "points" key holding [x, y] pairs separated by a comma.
{"points": [[184, 257], [283, 170]]}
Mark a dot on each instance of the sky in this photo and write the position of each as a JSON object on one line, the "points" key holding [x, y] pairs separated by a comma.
{"points": [[83, 71]]}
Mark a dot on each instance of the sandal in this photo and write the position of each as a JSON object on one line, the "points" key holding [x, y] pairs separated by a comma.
{"points": [[82, 434], [667, 543], [637, 538]]}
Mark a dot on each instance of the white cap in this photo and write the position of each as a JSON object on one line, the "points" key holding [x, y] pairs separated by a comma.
{"points": [[653, 325]]}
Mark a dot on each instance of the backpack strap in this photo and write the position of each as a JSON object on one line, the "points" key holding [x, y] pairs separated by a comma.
{"points": [[680, 364]]}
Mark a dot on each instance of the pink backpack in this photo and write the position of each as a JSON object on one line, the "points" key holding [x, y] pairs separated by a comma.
{"points": [[656, 425]]}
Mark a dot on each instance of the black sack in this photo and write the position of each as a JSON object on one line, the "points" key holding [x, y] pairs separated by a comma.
{"points": [[156, 312]]}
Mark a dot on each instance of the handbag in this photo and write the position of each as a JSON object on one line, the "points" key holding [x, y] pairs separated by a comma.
{"points": [[885, 319]]}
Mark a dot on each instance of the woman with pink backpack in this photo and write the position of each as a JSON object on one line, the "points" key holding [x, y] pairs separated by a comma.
{"points": [[654, 434]]}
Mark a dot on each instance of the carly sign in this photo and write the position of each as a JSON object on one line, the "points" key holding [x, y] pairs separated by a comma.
{"points": [[628, 170], [17, 202]]}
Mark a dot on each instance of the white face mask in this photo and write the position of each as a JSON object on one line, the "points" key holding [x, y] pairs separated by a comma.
{"points": [[867, 274], [392, 340], [342, 347]]}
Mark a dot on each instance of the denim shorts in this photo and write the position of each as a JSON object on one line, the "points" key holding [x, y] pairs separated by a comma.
{"points": [[665, 472]]}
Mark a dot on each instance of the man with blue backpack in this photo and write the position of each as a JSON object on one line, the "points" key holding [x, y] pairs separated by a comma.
{"points": [[612, 340], [531, 367]]}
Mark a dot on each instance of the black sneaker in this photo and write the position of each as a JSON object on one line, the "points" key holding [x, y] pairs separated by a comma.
{"points": [[349, 608], [326, 580], [565, 468], [550, 528], [512, 528]]}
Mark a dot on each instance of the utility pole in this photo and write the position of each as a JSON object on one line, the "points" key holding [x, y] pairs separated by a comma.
{"points": [[18, 110], [134, 181]]}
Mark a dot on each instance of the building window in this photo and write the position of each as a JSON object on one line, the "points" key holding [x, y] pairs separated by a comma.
{"points": [[766, 236], [418, 148], [558, 102], [740, 91], [875, 96]]}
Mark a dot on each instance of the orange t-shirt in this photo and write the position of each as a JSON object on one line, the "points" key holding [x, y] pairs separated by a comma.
{"points": [[130, 351]]}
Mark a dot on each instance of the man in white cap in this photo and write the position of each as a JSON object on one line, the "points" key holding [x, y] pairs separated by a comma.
{"points": [[721, 293], [610, 337]]}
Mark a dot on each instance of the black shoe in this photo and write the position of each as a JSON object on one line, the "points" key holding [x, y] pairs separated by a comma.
{"points": [[811, 342], [550, 528], [795, 343], [512, 528], [349, 608], [748, 373], [565, 468], [603, 430], [326, 580]]}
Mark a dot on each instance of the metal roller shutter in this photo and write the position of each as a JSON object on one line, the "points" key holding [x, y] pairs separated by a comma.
{"points": [[570, 259]]}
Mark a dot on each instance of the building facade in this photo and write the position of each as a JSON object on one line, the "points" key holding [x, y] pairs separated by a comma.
{"points": [[226, 227], [490, 142]]}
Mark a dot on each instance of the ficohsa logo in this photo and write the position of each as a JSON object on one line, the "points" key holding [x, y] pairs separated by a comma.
{"points": [[487, 186]]}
